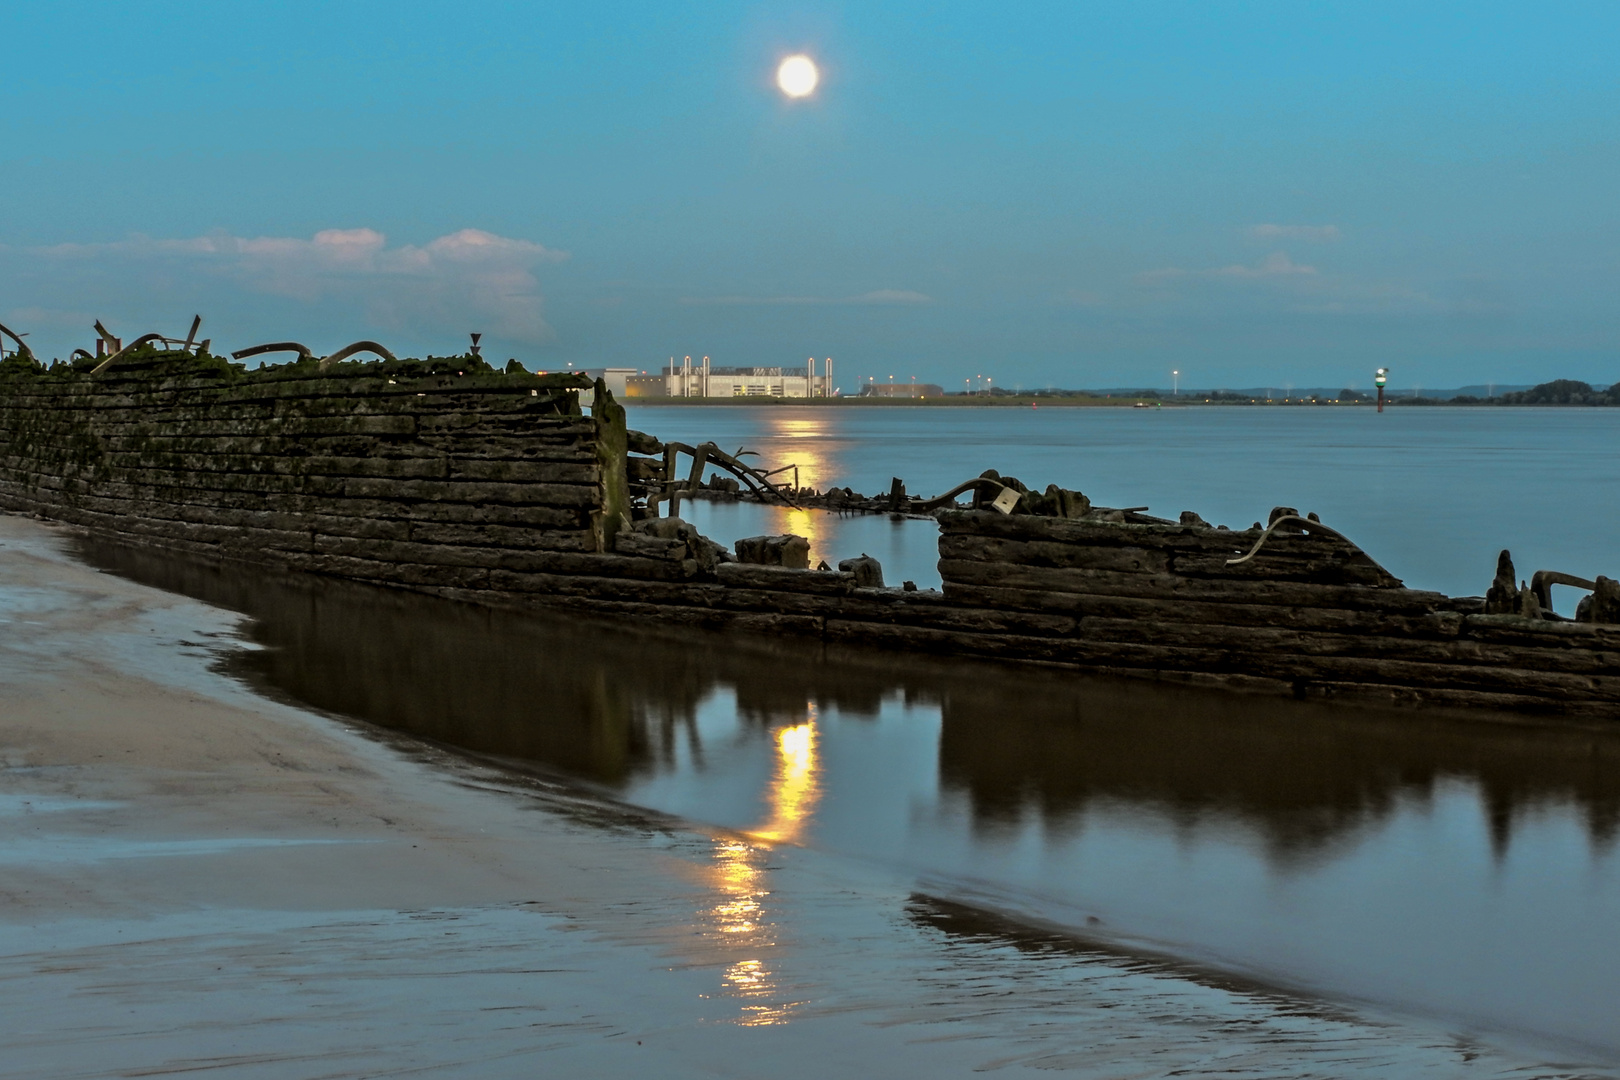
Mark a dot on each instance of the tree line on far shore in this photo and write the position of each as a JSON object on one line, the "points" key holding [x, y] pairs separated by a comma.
{"points": [[1556, 392]]}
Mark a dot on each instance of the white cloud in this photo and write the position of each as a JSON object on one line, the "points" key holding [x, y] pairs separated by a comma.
{"points": [[1275, 265], [891, 296], [1325, 234], [1278, 284], [467, 278], [878, 296], [37, 315]]}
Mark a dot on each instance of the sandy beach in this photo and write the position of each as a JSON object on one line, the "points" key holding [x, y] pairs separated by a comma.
{"points": [[196, 878]]}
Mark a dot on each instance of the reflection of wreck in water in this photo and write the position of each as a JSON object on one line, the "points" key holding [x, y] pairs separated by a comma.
{"points": [[605, 703], [595, 700], [1302, 775], [446, 477]]}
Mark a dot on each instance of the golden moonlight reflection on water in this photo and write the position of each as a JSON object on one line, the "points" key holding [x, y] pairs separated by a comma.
{"points": [[742, 877], [797, 76]]}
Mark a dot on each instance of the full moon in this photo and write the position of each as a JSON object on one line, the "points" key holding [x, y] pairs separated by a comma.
{"points": [[797, 76]]}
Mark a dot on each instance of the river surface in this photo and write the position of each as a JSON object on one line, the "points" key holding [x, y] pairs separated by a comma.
{"points": [[1463, 872], [1431, 493]]}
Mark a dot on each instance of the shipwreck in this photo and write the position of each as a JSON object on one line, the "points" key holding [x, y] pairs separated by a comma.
{"points": [[450, 477]]}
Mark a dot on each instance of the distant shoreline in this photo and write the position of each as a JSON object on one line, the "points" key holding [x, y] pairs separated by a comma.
{"points": [[1558, 393], [884, 402], [1077, 402]]}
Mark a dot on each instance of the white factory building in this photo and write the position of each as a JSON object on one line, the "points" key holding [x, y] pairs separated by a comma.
{"points": [[686, 379]]}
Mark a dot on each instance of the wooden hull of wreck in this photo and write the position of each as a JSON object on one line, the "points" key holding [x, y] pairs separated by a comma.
{"points": [[497, 490], [1309, 612]]}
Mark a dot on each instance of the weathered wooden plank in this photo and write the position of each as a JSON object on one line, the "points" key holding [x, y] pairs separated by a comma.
{"points": [[1285, 558], [513, 448], [580, 495], [617, 587], [125, 499], [139, 467], [523, 472], [504, 536], [116, 417], [1194, 550], [1121, 558], [245, 539], [1031, 527], [1417, 620], [264, 489], [1262, 640], [1515, 630], [1338, 568], [773, 578], [991, 537], [958, 572], [533, 560]]}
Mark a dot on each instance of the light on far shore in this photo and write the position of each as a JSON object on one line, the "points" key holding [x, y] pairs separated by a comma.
{"points": [[797, 76]]}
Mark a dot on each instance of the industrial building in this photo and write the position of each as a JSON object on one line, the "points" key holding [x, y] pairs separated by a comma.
{"points": [[902, 390], [703, 380]]}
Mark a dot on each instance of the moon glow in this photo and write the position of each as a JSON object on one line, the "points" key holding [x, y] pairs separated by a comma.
{"points": [[797, 76]]}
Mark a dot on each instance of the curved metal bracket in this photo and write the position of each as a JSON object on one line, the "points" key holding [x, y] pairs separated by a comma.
{"points": [[22, 346], [274, 346], [983, 483], [359, 346], [137, 343], [1306, 525], [304, 352], [1542, 581], [1364, 563]]}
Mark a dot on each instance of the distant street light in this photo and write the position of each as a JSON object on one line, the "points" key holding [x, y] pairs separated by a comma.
{"points": [[1175, 383]]}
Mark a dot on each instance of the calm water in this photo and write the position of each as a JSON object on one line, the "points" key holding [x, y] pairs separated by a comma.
{"points": [[1466, 871], [1433, 494]]}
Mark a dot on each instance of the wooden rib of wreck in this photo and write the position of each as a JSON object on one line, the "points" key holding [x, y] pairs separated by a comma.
{"points": [[448, 477]]}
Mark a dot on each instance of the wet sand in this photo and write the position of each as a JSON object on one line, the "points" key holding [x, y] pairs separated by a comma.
{"points": [[197, 878]]}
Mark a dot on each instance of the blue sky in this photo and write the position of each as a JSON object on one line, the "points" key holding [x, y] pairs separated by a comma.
{"points": [[1052, 194]]}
